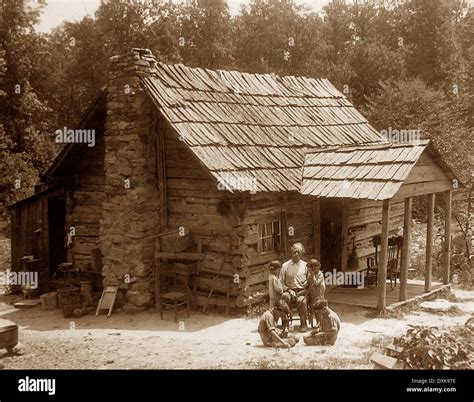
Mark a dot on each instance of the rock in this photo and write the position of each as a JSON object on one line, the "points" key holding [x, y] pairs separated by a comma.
{"points": [[17, 350], [78, 312], [2, 366], [109, 361], [437, 305], [139, 299]]}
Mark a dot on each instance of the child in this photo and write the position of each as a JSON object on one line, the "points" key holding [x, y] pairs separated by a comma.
{"points": [[275, 287], [329, 329], [316, 286], [272, 336]]}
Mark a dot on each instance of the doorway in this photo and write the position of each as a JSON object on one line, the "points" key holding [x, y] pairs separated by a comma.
{"points": [[331, 234], [57, 233]]}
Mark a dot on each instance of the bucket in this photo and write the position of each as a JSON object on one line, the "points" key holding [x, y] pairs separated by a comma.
{"points": [[49, 301], [69, 299]]}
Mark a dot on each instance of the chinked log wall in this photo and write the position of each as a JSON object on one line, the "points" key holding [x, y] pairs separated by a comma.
{"points": [[364, 222], [195, 203], [297, 210], [84, 205]]}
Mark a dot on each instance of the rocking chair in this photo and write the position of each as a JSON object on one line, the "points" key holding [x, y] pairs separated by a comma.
{"points": [[393, 260]]}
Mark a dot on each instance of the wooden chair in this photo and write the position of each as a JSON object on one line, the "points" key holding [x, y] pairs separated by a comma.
{"points": [[173, 301], [294, 316], [395, 245]]}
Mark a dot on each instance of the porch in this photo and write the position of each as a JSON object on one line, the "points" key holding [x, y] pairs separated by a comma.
{"points": [[377, 186], [368, 296]]}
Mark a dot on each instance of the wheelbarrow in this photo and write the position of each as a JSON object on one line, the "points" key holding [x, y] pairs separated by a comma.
{"points": [[8, 337]]}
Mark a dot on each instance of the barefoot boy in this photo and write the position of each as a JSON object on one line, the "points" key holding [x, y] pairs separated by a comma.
{"points": [[270, 335], [316, 287], [275, 287]]}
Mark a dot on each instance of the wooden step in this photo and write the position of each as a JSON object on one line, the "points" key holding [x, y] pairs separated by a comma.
{"points": [[395, 350], [386, 362]]}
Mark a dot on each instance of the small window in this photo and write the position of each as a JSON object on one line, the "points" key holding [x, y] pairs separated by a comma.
{"points": [[269, 236]]}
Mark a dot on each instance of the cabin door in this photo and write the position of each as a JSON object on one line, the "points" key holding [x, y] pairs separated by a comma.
{"points": [[57, 233], [331, 234]]}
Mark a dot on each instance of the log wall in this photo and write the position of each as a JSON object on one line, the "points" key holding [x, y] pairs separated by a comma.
{"points": [[195, 204], [365, 221], [84, 204], [262, 207]]}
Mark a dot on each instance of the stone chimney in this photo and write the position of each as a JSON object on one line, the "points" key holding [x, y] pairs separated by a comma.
{"points": [[130, 214]]}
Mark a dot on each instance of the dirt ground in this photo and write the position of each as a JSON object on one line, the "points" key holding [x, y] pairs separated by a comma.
{"points": [[143, 341]]}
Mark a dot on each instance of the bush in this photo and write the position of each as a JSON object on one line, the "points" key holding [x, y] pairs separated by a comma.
{"points": [[432, 348]]}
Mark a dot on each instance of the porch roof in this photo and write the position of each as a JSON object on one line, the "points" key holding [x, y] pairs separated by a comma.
{"points": [[374, 173]]}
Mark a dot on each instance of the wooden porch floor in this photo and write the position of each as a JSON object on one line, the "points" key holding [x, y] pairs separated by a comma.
{"points": [[367, 297]]}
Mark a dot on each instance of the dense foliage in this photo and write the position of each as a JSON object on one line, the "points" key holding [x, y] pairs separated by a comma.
{"points": [[434, 348]]}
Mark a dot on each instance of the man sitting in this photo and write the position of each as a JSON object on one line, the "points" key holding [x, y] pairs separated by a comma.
{"points": [[272, 336], [330, 326], [294, 277]]}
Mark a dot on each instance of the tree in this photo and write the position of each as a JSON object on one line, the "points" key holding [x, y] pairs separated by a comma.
{"points": [[280, 37], [429, 34], [206, 34], [25, 142]]}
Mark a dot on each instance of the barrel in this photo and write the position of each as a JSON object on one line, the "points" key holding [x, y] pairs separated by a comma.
{"points": [[69, 299], [49, 301]]}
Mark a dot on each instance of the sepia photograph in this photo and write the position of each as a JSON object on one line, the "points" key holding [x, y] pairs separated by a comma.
{"points": [[238, 185]]}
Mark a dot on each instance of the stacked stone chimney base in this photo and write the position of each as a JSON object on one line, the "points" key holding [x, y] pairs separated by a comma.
{"points": [[130, 215]]}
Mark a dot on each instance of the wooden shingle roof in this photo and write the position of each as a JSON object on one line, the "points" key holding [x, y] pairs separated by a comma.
{"points": [[374, 173], [263, 133], [255, 128]]}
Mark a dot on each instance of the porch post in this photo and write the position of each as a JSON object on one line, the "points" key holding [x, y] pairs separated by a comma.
{"points": [[382, 272], [344, 233], [407, 225], [429, 242], [448, 198]]}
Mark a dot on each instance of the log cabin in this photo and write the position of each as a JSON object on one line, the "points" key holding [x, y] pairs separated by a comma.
{"points": [[240, 166]]}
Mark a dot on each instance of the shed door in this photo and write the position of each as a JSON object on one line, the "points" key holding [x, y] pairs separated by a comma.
{"points": [[57, 233]]}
